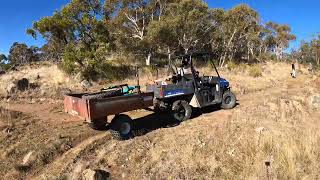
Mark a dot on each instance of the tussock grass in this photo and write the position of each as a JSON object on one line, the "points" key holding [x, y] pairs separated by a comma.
{"points": [[48, 76], [255, 71]]}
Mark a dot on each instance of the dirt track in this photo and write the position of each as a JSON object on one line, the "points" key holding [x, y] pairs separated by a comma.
{"points": [[274, 122]]}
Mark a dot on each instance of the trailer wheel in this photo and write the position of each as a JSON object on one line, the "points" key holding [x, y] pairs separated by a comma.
{"points": [[104, 94], [121, 127], [228, 100], [182, 111], [99, 125]]}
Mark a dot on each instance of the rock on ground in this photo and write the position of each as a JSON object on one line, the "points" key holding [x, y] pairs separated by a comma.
{"points": [[86, 84], [89, 174], [314, 101]]}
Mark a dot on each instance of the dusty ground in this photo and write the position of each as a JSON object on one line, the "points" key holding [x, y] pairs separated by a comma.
{"points": [[273, 133]]}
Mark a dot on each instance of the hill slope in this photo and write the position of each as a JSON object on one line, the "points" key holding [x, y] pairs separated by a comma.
{"points": [[272, 133]]}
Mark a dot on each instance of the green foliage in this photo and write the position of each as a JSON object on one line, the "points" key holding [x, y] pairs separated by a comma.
{"points": [[20, 53], [84, 33], [309, 52], [78, 35], [3, 58], [5, 66], [278, 38]]}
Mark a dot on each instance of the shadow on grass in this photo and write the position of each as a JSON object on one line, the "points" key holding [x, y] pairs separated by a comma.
{"points": [[154, 121], [157, 120]]}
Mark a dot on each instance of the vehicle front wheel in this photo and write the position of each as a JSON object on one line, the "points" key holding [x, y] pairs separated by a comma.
{"points": [[182, 111], [228, 100], [121, 127]]}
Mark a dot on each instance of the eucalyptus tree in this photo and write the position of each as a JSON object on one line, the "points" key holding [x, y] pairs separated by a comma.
{"points": [[3, 58], [309, 52], [279, 38], [129, 21], [185, 26], [240, 29], [75, 34], [20, 53]]}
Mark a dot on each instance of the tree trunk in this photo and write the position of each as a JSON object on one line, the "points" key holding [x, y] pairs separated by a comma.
{"points": [[148, 60], [318, 58], [248, 52], [279, 52], [227, 48], [169, 54], [222, 59]]}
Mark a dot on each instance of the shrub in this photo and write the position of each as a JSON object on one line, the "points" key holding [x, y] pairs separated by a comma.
{"points": [[90, 62], [231, 65], [243, 67], [265, 57], [209, 64], [255, 71], [4, 66]]}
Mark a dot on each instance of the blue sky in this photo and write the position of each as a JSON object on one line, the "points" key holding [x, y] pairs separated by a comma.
{"points": [[17, 15], [301, 15]]}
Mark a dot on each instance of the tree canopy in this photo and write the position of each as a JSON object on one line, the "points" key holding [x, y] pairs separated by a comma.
{"points": [[84, 33], [309, 52]]}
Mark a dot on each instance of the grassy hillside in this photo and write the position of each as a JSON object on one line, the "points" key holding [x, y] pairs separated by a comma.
{"points": [[272, 134]]}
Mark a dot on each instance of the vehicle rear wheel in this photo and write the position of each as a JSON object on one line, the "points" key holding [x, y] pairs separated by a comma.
{"points": [[182, 111], [228, 100], [121, 127], [104, 94], [160, 106]]}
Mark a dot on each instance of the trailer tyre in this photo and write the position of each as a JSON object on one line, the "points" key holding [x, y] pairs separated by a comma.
{"points": [[104, 94], [182, 111], [121, 127], [228, 100]]}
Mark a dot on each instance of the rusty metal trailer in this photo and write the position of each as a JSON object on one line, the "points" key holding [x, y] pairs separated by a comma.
{"points": [[96, 110]]}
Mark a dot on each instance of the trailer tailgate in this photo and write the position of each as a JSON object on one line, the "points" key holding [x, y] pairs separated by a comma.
{"points": [[75, 105], [95, 109]]}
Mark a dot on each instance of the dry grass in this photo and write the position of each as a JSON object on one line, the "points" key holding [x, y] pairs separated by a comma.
{"points": [[273, 133], [49, 78], [255, 71], [255, 145]]}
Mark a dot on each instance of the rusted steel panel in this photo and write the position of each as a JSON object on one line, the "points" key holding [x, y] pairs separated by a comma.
{"points": [[76, 106], [100, 108], [115, 105]]}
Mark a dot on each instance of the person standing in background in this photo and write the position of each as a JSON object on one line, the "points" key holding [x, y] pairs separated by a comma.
{"points": [[293, 73]]}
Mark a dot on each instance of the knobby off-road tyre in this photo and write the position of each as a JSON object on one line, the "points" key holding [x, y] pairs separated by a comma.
{"points": [[104, 94], [228, 100], [99, 125], [160, 107], [182, 111], [121, 127]]}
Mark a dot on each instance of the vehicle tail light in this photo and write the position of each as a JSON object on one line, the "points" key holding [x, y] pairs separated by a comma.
{"points": [[161, 91]]}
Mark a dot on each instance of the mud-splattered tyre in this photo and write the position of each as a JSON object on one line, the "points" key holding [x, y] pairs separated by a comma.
{"points": [[121, 127], [182, 111], [228, 100], [160, 106], [104, 94], [99, 125]]}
